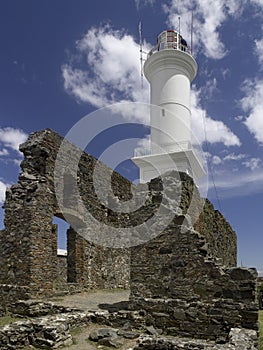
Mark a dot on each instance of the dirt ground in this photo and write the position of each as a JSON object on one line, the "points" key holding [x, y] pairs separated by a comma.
{"points": [[95, 300], [81, 341], [92, 301]]}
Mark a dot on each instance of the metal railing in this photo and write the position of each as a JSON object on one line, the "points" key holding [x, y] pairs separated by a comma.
{"points": [[169, 46]]}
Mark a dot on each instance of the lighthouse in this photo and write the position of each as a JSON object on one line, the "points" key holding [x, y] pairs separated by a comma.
{"points": [[170, 68]]}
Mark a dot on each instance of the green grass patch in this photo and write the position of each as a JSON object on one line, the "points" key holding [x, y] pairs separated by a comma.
{"points": [[7, 319], [76, 331], [260, 329]]}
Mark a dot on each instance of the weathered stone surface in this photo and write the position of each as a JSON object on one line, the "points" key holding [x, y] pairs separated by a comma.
{"points": [[103, 333], [53, 331], [28, 254], [111, 341], [240, 339], [183, 281], [37, 308], [184, 288], [29, 241], [9, 293], [127, 334]]}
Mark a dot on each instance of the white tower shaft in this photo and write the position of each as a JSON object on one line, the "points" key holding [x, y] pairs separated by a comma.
{"points": [[170, 73], [170, 69]]}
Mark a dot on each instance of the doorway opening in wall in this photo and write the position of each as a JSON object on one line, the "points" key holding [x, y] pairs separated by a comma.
{"points": [[67, 259], [61, 229]]}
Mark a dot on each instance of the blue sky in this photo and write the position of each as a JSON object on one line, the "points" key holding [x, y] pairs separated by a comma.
{"points": [[61, 60]]}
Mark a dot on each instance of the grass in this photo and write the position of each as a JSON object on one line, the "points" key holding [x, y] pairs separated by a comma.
{"points": [[74, 333], [7, 319], [260, 329]]}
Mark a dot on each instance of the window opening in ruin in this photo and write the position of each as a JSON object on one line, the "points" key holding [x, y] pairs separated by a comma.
{"points": [[66, 251], [62, 227]]}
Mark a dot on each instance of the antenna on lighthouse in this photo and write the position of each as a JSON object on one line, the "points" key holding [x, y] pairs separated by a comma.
{"points": [[141, 59], [192, 27], [179, 25]]}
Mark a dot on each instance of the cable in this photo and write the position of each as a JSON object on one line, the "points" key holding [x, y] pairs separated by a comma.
{"points": [[210, 165]]}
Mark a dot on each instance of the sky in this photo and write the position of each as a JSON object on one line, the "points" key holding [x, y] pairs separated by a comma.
{"points": [[61, 60]]}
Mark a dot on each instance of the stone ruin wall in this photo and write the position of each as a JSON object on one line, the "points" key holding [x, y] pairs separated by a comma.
{"points": [[185, 279], [29, 240]]}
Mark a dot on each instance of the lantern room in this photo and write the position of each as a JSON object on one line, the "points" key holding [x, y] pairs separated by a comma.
{"points": [[170, 39]]}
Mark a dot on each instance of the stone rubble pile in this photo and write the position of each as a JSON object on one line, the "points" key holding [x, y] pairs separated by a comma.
{"points": [[47, 331], [239, 339], [53, 331], [49, 325], [113, 337]]}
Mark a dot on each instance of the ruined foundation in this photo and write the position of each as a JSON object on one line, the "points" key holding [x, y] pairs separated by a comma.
{"points": [[184, 281]]}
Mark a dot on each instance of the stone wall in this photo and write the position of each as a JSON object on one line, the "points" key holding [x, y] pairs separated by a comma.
{"points": [[184, 280], [29, 240], [62, 270], [220, 238], [179, 281], [9, 293]]}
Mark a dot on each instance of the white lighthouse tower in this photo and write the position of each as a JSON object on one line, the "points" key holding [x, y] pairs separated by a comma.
{"points": [[170, 69]]}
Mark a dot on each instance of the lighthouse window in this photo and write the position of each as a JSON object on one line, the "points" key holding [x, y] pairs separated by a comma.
{"points": [[163, 113]]}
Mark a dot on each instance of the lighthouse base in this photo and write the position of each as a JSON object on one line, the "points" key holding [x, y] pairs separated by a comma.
{"points": [[154, 165]]}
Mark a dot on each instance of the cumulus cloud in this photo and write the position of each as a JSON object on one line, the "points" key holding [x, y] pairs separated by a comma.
{"points": [[4, 152], [245, 182], [253, 163], [12, 137], [112, 73], [234, 157], [139, 3], [3, 187], [216, 160], [257, 2], [236, 174], [252, 104], [209, 16], [259, 50], [143, 147], [207, 129]]}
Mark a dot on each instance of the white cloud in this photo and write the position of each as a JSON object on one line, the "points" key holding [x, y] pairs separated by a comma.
{"points": [[216, 160], [252, 164], [143, 147], [12, 138], [3, 187], [210, 87], [209, 16], [252, 104], [257, 2], [112, 73], [140, 3], [205, 127], [259, 50], [234, 157], [4, 152], [246, 182], [239, 118]]}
